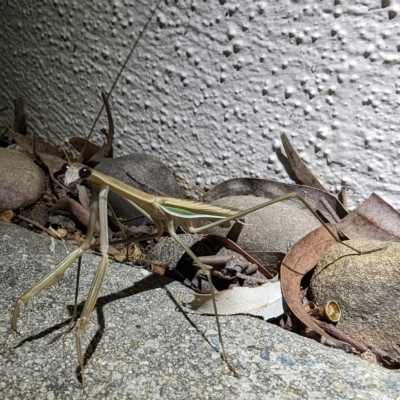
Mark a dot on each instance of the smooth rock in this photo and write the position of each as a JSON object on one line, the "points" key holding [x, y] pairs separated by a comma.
{"points": [[271, 229], [169, 252], [367, 288], [22, 181], [177, 264], [149, 173]]}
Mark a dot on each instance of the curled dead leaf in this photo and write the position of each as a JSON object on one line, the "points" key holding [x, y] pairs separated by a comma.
{"points": [[374, 219], [74, 210], [300, 169], [302, 258]]}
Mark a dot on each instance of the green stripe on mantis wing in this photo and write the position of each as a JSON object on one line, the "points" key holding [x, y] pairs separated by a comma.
{"points": [[191, 209]]}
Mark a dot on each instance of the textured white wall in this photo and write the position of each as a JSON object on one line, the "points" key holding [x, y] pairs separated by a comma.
{"points": [[213, 85]]}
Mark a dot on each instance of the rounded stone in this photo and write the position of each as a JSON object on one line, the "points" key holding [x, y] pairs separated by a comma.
{"points": [[22, 181], [140, 171], [274, 228], [367, 289]]}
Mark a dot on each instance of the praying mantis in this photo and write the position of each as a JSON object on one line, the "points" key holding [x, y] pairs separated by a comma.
{"points": [[166, 213]]}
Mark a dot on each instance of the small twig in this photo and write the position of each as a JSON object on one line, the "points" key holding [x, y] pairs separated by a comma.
{"points": [[34, 152], [6, 126], [215, 261], [330, 209], [343, 197], [228, 244], [382, 354], [331, 329], [37, 225]]}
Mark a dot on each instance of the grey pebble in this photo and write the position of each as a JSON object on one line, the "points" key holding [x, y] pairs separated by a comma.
{"points": [[22, 181]]}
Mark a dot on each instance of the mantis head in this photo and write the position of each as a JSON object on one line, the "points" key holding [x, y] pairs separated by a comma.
{"points": [[75, 173]]}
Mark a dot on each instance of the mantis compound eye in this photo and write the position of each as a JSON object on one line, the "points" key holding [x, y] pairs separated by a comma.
{"points": [[85, 172], [64, 168]]}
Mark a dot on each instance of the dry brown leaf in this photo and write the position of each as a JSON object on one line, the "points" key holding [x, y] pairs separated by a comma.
{"points": [[19, 116], [117, 254], [302, 258], [41, 147], [132, 252], [156, 269], [230, 245], [303, 174], [78, 144], [52, 162], [92, 152], [74, 210], [7, 215], [373, 219]]}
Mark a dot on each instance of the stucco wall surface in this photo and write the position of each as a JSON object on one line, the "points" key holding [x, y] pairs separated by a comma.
{"points": [[212, 85]]}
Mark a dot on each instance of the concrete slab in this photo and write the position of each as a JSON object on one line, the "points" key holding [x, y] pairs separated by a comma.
{"points": [[143, 346]]}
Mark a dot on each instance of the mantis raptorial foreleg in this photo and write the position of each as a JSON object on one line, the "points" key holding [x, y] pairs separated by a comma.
{"points": [[55, 274], [100, 273]]}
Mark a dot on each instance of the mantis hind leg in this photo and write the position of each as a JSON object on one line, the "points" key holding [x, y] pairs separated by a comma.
{"points": [[243, 213], [185, 247]]}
